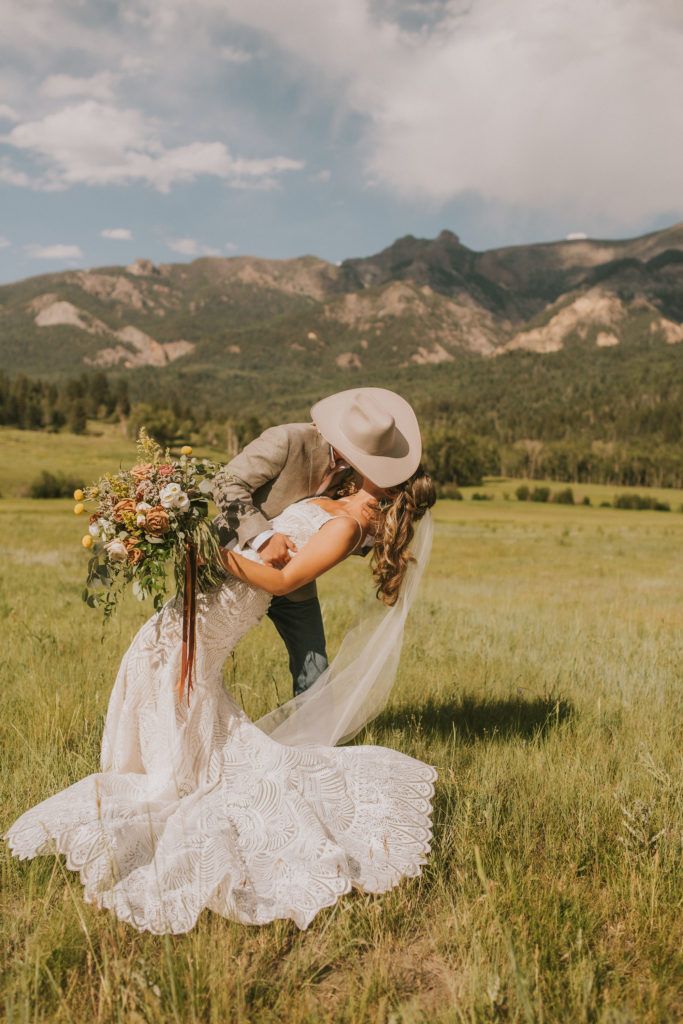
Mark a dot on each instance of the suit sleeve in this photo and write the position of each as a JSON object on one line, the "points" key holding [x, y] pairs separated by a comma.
{"points": [[261, 461]]}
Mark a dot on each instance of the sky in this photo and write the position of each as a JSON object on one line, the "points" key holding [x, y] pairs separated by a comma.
{"points": [[170, 130]]}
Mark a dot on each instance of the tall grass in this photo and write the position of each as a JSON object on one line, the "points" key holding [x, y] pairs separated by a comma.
{"points": [[541, 674]]}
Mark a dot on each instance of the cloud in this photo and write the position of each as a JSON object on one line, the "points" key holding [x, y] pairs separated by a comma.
{"points": [[321, 177], [54, 252], [117, 234], [92, 143], [539, 104], [11, 176], [575, 236], [8, 113], [97, 87], [231, 246], [235, 55], [4, 242], [49, 26], [191, 247]]}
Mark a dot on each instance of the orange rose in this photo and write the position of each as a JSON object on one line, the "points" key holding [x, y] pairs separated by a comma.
{"points": [[142, 471], [134, 552], [157, 521], [166, 469], [125, 507]]}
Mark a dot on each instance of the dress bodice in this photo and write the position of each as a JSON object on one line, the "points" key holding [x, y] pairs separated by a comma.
{"points": [[298, 521]]}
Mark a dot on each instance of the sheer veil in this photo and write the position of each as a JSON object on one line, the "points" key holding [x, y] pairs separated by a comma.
{"points": [[355, 686]]}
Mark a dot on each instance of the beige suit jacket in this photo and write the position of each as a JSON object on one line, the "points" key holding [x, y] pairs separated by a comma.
{"points": [[283, 465]]}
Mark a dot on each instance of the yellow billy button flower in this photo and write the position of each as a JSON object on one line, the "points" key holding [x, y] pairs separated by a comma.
{"points": [[79, 509], [186, 450], [87, 541], [79, 495]]}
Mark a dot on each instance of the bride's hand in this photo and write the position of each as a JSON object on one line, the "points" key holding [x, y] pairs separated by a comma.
{"points": [[277, 550]]}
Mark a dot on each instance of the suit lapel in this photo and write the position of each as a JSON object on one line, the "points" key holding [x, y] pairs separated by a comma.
{"points": [[319, 462]]}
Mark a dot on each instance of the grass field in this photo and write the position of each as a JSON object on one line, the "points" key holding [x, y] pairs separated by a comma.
{"points": [[541, 675]]}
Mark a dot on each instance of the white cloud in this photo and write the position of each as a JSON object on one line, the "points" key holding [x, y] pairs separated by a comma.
{"points": [[235, 55], [191, 247], [576, 236], [117, 234], [96, 87], [538, 103], [8, 113], [93, 143], [4, 242], [54, 252], [321, 177], [231, 246]]}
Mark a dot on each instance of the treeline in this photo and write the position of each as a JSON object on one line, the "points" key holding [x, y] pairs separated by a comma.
{"points": [[454, 456], [463, 443], [29, 403], [32, 404], [625, 464]]}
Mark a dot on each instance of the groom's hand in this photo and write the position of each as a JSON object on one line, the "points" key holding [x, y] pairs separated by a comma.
{"points": [[276, 550]]}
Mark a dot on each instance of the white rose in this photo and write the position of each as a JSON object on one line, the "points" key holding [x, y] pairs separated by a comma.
{"points": [[143, 506], [116, 551], [172, 496], [140, 519], [168, 495], [94, 530]]}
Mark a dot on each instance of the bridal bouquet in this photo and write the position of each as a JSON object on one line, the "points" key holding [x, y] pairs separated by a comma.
{"points": [[145, 517]]}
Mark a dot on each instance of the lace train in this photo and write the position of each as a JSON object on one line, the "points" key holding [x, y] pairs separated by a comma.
{"points": [[274, 832]]}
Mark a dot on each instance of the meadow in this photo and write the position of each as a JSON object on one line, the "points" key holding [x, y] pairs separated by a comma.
{"points": [[541, 675]]}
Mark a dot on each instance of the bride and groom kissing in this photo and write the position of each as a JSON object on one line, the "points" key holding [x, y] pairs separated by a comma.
{"points": [[197, 807]]}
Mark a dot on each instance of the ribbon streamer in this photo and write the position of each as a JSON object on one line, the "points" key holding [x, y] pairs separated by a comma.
{"points": [[189, 622]]}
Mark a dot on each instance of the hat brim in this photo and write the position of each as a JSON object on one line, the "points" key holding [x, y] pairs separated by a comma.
{"points": [[384, 470]]}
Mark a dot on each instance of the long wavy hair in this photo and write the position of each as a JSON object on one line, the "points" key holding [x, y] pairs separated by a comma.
{"points": [[393, 527]]}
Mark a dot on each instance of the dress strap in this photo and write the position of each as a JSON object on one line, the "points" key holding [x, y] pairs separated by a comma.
{"points": [[337, 515], [345, 515]]}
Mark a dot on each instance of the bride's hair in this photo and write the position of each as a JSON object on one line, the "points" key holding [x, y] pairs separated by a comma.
{"points": [[393, 527]]}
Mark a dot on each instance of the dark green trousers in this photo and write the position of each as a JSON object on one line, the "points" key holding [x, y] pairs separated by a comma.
{"points": [[300, 624]]}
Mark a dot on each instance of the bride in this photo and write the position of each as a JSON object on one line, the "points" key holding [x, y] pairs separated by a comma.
{"points": [[196, 806]]}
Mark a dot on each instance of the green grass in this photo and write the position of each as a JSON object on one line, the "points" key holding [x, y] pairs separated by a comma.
{"points": [[26, 453], [542, 676]]}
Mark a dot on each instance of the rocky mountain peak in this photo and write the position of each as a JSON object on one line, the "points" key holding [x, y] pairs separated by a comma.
{"points": [[419, 301]]}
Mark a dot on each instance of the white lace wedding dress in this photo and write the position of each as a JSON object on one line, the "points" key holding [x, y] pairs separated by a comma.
{"points": [[195, 807]]}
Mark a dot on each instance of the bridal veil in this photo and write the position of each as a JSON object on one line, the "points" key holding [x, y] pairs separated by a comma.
{"points": [[355, 686]]}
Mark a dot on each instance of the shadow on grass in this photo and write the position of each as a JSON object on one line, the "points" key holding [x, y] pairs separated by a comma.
{"points": [[471, 719]]}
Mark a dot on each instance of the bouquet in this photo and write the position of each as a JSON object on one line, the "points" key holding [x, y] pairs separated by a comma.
{"points": [[145, 517]]}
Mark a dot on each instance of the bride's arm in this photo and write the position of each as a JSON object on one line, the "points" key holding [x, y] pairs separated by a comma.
{"points": [[330, 545]]}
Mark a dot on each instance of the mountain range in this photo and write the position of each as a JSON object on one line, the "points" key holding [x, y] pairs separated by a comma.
{"points": [[418, 303]]}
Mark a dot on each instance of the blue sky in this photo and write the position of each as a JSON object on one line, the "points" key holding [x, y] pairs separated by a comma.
{"points": [[171, 129]]}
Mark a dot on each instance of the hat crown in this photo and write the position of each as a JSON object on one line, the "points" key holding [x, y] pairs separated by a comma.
{"points": [[374, 430], [369, 427]]}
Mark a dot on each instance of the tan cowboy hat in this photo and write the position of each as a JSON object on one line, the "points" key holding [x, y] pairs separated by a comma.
{"points": [[375, 430]]}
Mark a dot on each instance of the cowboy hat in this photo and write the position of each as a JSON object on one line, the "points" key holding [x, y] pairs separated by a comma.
{"points": [[375, 430]]}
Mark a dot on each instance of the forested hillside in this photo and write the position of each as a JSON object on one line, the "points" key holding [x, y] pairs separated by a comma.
{"points": [[562, 360]]}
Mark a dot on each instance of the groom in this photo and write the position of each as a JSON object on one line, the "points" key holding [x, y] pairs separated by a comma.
{"points": [[370, 431]]}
